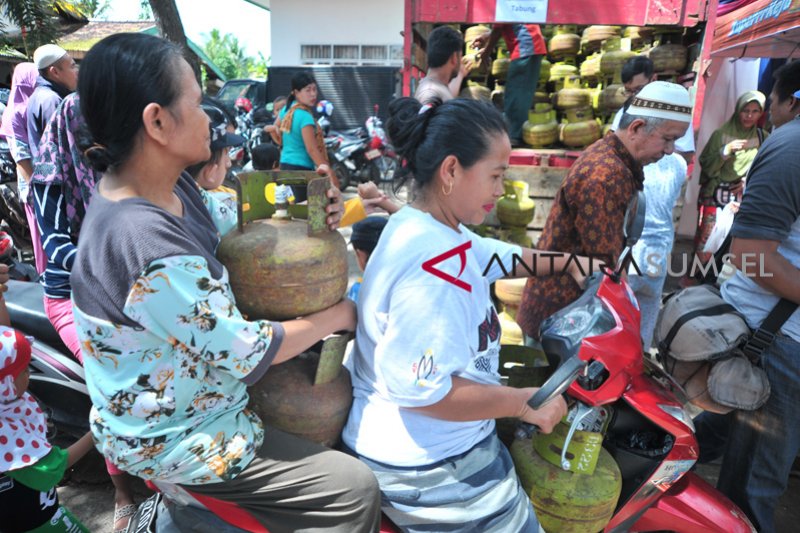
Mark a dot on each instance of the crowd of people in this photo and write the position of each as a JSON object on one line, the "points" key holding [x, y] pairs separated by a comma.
{"points": [[123, 167]]}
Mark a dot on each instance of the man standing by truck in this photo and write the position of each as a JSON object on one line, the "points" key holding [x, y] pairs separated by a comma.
{"points": [[445, 68], [526, 48]]}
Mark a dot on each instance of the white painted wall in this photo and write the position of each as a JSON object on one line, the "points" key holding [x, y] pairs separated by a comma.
{"points": [[364, 22]]}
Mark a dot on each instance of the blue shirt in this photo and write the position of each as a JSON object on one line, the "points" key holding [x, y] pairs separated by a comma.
{"points": [[294, 149], [770, 211], [41, 106]]}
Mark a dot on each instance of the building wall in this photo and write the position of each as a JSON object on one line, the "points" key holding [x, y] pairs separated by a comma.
{"points": [[336, 22]]}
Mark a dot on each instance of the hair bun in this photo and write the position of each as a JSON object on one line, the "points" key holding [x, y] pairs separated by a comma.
{"points": [[98, 157]]}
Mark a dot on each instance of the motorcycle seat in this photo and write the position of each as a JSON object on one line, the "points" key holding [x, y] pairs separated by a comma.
{"points": [[24, 300], [355, 133], [229, 512]]}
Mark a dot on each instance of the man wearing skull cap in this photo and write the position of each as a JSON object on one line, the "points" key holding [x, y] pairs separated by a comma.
{"points": [[58, 76], [589, 208]]}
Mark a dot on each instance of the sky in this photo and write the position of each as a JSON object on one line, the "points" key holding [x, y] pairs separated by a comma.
{"points": [[249, 23]]}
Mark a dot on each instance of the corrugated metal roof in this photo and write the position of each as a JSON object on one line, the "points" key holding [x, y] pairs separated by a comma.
{"points": [[8, 52]]}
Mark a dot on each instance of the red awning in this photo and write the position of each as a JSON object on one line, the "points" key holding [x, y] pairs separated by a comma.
{"points": [[764, 28]]}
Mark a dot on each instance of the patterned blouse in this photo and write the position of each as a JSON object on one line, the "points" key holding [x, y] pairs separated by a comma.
{"points": [[168, 356], [586, 219]]}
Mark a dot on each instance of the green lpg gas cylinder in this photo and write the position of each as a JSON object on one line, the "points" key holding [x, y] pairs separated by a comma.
{"points": [[568, 501]]}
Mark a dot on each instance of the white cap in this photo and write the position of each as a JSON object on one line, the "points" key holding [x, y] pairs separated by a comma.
{"points": [[47, 54], [661, 99]]}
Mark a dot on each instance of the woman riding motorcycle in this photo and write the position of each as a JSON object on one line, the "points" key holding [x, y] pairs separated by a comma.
{"points": [[168, 356]]}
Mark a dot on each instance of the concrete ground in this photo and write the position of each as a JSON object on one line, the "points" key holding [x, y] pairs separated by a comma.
{"points": [[88, 493]]}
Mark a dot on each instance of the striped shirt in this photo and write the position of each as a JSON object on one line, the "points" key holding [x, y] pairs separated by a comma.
{"points": [[58, 244]]}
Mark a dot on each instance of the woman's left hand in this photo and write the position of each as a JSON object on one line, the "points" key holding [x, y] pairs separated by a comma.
{"points": [[335, 208]]}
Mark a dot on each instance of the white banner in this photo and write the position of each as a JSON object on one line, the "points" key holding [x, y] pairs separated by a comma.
{"points": [[532, 11]]}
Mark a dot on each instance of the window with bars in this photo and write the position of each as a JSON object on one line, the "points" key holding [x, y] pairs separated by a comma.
{"points": [[315, 53], [374, 53], [345, 53], [351, 54]]}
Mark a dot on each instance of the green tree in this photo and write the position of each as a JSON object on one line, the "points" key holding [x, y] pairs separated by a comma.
{"points": [[95, 9], [145, 10], [260, 67], [34, 18], [38, 20], [227, 54]]}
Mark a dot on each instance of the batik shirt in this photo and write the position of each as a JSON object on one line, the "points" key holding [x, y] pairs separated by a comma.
{"points": [[587, 219], [167, 354]]}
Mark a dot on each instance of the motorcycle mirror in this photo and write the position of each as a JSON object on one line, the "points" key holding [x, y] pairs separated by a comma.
{"points": [[634, 218]]}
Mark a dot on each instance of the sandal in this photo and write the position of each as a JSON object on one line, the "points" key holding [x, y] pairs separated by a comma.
{"points": [[126, 511]]}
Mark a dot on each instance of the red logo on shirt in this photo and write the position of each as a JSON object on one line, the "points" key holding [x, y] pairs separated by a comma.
{"points": [[461, 252]]}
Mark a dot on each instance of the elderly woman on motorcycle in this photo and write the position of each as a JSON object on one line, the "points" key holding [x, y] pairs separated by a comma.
{"points": [[425, 377], [168, 356]]}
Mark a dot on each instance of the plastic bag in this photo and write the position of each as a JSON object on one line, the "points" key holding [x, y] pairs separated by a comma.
{"points": [[722, 227]]}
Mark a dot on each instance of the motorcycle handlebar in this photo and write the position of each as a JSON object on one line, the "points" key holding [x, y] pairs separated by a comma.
{"points": [[557, 383]]}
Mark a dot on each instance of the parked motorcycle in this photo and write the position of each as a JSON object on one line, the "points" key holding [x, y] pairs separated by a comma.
{"points": [[57, 380], [362, 154], [632, 403], [250, 123]]}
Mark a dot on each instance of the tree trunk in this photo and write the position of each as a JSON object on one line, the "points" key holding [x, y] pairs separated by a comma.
{"points": [[170, 26]]}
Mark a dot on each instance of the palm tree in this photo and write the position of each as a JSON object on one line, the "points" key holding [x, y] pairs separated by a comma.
{"points": [[36, 19]]}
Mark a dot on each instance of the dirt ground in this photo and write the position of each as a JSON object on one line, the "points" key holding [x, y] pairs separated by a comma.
{"points": [[88, 493]]}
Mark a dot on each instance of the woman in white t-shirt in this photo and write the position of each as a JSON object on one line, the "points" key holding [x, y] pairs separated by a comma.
{"points": [[425, 377]]}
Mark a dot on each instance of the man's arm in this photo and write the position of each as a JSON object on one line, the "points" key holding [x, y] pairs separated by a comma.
{"points": [[463, 71], [485, 43], [760, 261]]}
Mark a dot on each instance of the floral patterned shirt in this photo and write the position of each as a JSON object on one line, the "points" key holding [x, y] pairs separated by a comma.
{"points": [[586, 219], [168, 358]]}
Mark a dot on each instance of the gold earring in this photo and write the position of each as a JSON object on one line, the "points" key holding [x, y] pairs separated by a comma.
{"points": [[449, 191]]}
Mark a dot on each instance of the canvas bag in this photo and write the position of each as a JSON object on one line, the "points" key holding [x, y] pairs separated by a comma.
{"points": [[700, 339]]}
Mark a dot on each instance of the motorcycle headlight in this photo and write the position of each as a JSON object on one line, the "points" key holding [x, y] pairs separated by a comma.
{"points": [[585, 317], [678, 413]]}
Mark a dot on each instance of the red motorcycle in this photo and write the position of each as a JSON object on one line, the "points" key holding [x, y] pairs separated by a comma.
{"points": [[648, 433], [604, 373]]}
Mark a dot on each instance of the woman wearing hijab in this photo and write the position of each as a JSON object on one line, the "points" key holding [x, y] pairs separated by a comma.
{"points": [[726, 160], [15, 129]]}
